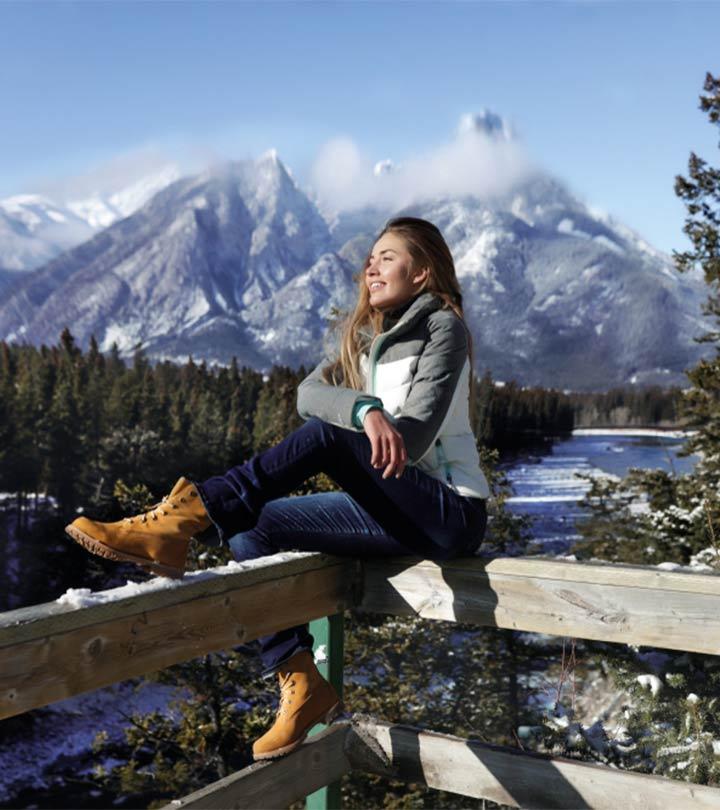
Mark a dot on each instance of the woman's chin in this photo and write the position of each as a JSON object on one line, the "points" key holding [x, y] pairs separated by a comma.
{"points": [[382, 303]]}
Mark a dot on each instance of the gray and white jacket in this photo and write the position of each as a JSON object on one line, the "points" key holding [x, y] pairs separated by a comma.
{"points": [[418, 370]]}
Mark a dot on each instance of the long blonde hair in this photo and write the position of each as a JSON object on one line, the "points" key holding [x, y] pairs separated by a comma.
{"points": [[427, 248]]}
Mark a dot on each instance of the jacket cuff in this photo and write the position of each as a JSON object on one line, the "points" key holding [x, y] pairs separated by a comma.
{"points": [[360, 409]]}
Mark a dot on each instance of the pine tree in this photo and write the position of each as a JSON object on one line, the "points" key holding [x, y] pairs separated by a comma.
{"points": [[673, 723], [701, 192]]}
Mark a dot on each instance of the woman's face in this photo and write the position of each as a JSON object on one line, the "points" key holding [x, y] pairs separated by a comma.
{"points": [[387, 273]]}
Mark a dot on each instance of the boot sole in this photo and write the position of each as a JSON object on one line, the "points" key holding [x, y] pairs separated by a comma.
{"points": [[99, 548], [330, 715]]}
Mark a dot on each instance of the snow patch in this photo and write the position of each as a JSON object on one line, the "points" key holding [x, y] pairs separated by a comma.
{"points": [[567, 226], [78, 598], [651, 682]]}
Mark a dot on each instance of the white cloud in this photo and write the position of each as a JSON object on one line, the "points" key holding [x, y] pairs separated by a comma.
{"points": [[124, 169], [481, 160]]}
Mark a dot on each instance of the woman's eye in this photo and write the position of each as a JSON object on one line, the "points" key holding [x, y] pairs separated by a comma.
{"points": [[388, 258]]}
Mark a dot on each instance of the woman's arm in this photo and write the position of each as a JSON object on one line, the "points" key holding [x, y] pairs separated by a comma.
{"points": [[428, 400], [332, 403]]}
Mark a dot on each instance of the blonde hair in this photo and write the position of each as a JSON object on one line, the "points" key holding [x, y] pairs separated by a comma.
{"points": [[427, 248]]}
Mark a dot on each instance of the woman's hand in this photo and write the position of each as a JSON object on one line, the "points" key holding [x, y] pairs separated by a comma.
{"points": [[388, 446]]}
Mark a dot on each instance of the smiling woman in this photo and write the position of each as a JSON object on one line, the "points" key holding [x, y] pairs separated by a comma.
{"points": [[388, 421], [390, 278]]}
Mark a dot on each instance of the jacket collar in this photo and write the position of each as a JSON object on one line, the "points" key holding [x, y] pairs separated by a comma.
{"points": [[409, 314]]}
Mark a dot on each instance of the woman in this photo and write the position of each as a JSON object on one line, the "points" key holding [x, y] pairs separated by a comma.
{"points": [[388, 421]]}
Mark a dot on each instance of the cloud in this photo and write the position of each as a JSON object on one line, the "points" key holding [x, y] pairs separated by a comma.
{"points": [[121, 171], [484, 158]]}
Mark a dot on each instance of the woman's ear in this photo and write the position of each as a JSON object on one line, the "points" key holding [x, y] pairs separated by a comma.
{"points": [[420, 276]]}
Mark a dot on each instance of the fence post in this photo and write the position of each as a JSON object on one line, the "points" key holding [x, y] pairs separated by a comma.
{"points": [[329, 650]]}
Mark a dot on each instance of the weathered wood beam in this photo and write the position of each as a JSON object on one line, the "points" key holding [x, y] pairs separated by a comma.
{"points": [[510, 776], [319, 761], [628, 604], [52, 651]]}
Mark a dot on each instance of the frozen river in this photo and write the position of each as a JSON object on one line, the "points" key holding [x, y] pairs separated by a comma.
{"points": [[545, 485]]}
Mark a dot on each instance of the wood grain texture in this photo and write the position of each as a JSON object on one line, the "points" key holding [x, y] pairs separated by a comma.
{"points": [[46, 619], [510, 776], [624, 604], [151, 636], [319, 761]]}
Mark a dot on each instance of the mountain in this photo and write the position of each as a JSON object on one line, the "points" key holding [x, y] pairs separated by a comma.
{"points": [[558, 295], [35, 228], [239, 261], [8, 279], [100, 210], [185, 272]]}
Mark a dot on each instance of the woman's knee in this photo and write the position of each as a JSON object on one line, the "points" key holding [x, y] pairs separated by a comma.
{"points": [[251, 544]]}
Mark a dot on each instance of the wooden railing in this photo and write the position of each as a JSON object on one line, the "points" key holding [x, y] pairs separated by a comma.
{"points": [[52, 651]]}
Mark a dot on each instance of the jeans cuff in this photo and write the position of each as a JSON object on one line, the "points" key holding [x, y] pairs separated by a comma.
{"points": [[270, 671], [222, 536]]}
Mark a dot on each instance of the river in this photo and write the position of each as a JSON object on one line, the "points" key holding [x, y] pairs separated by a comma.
{"points": [[545, 486]]}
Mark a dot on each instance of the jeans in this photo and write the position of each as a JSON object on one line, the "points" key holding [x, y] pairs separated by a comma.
{"points": [[415, 514]]}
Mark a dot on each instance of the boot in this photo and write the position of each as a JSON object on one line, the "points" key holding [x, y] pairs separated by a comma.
{"points": [[157, 540], [306, 699]]}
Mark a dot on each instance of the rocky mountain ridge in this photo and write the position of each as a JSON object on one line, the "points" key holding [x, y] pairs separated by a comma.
{"points": [[239, 261]]}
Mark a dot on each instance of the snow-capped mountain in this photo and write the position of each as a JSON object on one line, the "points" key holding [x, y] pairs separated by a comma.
{"points": [[239, 261], [100, 210], [35, 228], [186, 270], [559, 295]]}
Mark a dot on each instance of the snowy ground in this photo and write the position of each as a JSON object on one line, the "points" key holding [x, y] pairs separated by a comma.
{"points": [[68, 729]]}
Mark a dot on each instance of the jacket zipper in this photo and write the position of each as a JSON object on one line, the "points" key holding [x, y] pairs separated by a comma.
{"points": [[372, 365]]}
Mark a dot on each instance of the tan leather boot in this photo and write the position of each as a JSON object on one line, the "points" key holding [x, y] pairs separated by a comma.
{"points": [[306, 698], [157, 540]]}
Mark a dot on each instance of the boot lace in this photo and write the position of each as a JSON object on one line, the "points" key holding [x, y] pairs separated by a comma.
{"points": [[286, 689], [158, 508]]}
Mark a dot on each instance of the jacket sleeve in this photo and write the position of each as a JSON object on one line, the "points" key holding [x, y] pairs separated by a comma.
{"points": [[434, 383], [361, 408], [331, 403]]}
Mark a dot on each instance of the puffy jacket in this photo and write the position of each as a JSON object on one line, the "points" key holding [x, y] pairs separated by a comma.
{"points": [[418, 371]]}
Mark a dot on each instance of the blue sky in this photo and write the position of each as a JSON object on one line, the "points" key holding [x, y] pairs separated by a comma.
{"points": [[603, 95]]}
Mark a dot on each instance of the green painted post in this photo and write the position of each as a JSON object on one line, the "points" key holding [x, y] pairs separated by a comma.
{"points": [[328, 635]]}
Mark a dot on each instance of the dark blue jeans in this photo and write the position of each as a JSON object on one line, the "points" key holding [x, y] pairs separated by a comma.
{"points": [[415, 514]]}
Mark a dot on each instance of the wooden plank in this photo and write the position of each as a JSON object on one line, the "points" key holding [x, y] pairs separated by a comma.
{"points": [[47, 619], [93, 654], [511, 776], [637, 606], [606, 573], [319, 761]]}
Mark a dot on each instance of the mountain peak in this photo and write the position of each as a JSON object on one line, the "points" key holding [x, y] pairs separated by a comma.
{"points": [[487, 123], [383, 167], [269, 155]]}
